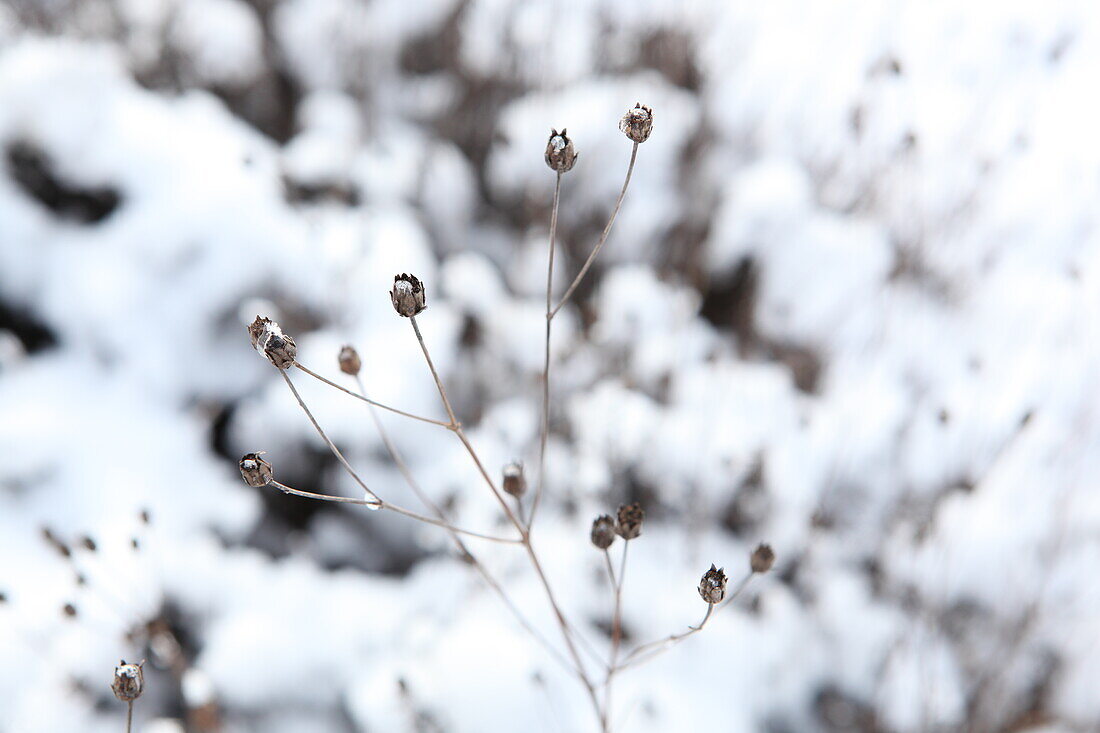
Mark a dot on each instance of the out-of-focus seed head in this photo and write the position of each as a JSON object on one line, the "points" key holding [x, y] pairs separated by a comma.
{"points": [[129, 681], [268, 339], [255, 470], [561, 156], [407, 295], [630, 521], [762, 558], [515, 483], [69, 610], [350, 362], [712, 587], [637, 123], [603, 531]]}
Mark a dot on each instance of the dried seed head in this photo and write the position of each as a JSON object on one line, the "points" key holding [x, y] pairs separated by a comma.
{"points": [[712, 587], [407, 295], [515, 483], [129, 681], [255, 470], [561, 156], [268, 339], [603, 531], [637, 123], [349, 360], [762, 559], [630, 521]]}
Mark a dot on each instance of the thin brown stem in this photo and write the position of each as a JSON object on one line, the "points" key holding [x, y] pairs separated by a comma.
{"points": [[603, 237], [544, 433], [332, 446], [369, 401], [403, 468], [616, 621], [385, 505], [129, 715], [645, 652], [563, 623]]}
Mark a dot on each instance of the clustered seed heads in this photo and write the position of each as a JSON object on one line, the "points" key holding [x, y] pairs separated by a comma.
{"points": [[561, 156], [515, 483], [268, 339], [350, 363], [637, 123], [712, 587], [603, 531], [762, 558], [407, 295], [629, 525], [129, 681], [255, 470]]}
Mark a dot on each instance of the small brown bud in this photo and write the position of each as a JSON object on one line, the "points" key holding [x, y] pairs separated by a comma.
{"points": [[561, 156], [762, 559], [268, 339], [89, 543], [637, 123], [146, 518], [53, 541], [349, 360], [515, 483], [603, 531], [629, 525], [712, 587], [255, 470], [129, 681], [69, 610], [407, 295]]}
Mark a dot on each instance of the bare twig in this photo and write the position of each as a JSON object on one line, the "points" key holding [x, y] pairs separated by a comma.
{"points": [[332, 446], [369, 401], [616, 623], [645, 652], [544, 434], [603, 237]]}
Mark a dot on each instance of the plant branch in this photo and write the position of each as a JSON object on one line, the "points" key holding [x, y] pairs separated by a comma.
{"points": [[393, 508], [369, 401], [544, 434], [603, 237], [645, 652], [332, 446]]}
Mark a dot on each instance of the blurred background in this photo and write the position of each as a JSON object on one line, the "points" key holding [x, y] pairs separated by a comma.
{"points": [[848, 308]]}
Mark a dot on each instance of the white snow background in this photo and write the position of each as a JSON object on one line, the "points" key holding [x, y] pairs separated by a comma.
{"points": [[848, 308]]}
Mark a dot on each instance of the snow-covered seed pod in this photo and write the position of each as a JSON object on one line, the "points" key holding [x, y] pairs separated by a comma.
{"points": [[712, 586], [603, 531], [255, 470], [637, 123], [762, 558], [515, 483], [407, 295], [629, 525], [561, 156], [350, 363], [129, 681], [268, 339]]}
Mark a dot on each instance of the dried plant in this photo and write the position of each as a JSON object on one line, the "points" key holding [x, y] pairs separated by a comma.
{"points": [[409, 301]]}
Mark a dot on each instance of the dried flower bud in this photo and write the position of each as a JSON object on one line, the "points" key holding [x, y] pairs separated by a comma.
{"points": [[349, 360], [255, 470], [515, 483], [407, 295], [630, 521], [268, 339], [603, 531], [712, 587], [561, 156], [129, 681], [762, 559], [637, 123]]}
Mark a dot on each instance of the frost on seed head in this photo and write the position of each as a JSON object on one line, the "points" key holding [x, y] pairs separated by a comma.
{"points": [[270, 341]]}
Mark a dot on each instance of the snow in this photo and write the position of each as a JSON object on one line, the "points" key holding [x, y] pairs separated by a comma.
{"points": [[846, 309]]}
